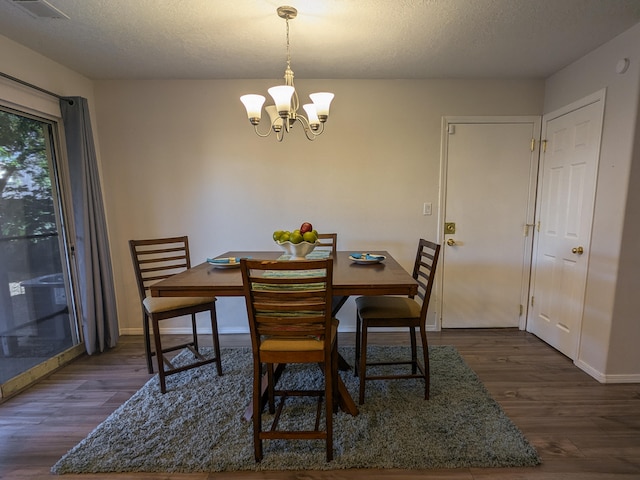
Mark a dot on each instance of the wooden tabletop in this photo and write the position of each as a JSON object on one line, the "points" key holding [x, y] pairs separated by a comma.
{"points": [[349, 278]]}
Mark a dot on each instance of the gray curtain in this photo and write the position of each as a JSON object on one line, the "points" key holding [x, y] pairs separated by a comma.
{"points": [[93, 259]]}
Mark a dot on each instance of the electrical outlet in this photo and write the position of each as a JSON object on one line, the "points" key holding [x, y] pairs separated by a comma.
{"points": [[426, 208]]}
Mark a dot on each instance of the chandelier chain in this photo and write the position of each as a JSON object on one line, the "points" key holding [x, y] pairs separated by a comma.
{"points": [[288, 46]]}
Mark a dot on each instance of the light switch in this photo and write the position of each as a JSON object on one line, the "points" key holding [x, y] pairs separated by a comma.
{"points": [[426, 208]]}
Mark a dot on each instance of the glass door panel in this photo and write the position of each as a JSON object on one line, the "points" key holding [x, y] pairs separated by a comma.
{"points": [[37, 315]]}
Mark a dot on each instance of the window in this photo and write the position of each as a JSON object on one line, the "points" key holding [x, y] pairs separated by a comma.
{"points": [[37, 314]]}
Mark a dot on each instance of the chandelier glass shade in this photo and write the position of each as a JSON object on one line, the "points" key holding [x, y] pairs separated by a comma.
{"points": [[283, 114]]}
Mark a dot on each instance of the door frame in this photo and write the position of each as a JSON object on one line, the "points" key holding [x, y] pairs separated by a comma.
{"points": [[536, 120]]}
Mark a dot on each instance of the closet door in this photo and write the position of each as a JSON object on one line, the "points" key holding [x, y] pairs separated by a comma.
{"points": [[569, 170]]}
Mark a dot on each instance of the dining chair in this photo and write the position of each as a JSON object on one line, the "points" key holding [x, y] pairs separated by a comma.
{"points": [[289, 310], [155, 260], [328, 240], [392, 312]]}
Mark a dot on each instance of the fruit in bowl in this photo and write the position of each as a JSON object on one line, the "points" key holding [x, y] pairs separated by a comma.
{"points": [[298, 243]]}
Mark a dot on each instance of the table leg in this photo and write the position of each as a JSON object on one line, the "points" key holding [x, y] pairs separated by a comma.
{"points": [[337, 302], [345, 401]]}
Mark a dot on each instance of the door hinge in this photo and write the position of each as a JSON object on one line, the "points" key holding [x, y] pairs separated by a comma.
{"points": [[526, 228], [533, 144], [521, 309], [532, 300], [544, 145]]}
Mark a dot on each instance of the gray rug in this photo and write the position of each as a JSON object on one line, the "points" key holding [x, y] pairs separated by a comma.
{"points": [[197, 425]]}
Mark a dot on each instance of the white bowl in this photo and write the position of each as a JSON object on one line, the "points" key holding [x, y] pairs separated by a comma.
{"points": [[298, 251]]}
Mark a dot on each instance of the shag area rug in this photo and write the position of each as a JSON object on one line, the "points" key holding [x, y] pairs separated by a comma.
{"points": [[197, 426]]}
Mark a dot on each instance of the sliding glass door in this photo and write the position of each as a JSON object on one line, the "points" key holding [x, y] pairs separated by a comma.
{"points": [[37, 314]]}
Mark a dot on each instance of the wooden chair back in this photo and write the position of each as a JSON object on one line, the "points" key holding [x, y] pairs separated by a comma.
{"points": [[157, 259], [288, 300], [329, 240], [424, 272]]}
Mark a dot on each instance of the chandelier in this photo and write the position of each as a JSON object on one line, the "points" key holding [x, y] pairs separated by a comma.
{"points": [[284, 114]]}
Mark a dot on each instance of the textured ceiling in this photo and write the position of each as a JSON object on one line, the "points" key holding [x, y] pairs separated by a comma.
{"points": [[206, 39]]}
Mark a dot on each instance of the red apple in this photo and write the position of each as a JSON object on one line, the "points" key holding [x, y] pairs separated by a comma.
{"points": [[305, 227]]}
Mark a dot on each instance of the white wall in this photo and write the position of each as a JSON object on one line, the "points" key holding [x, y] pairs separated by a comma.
{"points": [[29, 66], [180, 157], [610, 330]]}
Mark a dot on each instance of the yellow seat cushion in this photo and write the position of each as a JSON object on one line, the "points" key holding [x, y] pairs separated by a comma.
{"points": [[164, 304], [284, 344], [387, 307]]}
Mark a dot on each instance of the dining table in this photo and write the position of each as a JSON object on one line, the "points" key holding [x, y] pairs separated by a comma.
{"points": [[350, 277]]}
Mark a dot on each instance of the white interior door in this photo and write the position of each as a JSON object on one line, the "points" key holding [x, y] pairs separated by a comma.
{"points": [[491, 170], [569, 165]]}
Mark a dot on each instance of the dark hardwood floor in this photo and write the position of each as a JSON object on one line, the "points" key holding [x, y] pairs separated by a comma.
{"points": [[582, 429]]}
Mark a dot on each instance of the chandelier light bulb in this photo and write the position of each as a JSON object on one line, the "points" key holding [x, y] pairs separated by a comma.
{"points": [[281, 95], [253, 104], [312, 115], [276, 119], [322, 101]]}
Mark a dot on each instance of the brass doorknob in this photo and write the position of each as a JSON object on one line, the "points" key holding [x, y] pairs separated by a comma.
{"points": [[451, 242], [577, 250]]}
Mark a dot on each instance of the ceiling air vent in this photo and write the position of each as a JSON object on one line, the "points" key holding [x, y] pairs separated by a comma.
{"points": [[40, 9]]}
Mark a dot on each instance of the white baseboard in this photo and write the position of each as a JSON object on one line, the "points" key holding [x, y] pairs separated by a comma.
{"points": [[607, 378]]}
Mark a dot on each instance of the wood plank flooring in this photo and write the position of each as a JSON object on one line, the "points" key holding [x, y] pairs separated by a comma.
{"points": [[582, 429]]}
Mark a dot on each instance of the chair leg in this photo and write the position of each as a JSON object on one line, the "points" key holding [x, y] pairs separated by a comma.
{"points": [[147, 342], [330, 370], [414, 352], [271, 386], [334, 362], [257, 410], [159, 355], [425, 359], [357, 359], [216, 340], [194, 332], [363, 361]]}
